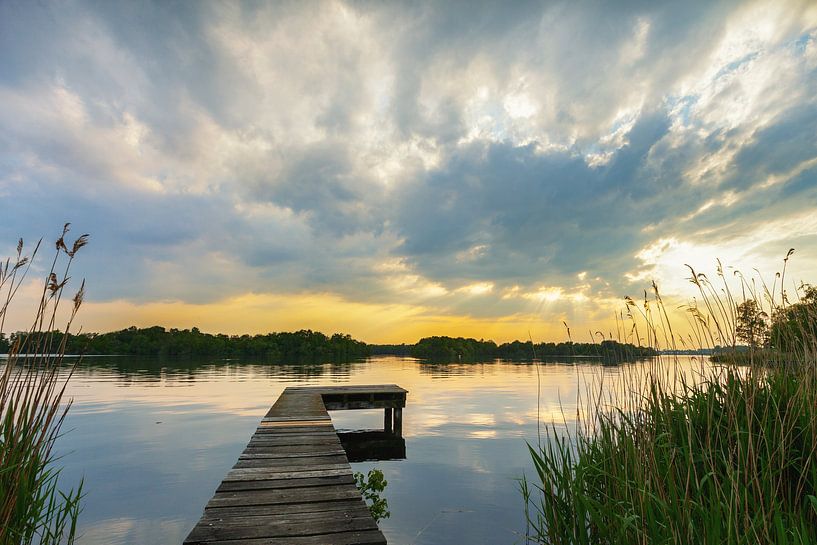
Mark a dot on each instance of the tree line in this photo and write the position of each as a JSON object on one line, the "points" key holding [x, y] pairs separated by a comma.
{"points": [[784, 331], [307, 346], [441, 348], [304, 346]]}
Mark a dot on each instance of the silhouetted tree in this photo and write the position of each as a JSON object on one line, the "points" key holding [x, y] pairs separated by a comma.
{"points": [[794, 328], [752, 324]]}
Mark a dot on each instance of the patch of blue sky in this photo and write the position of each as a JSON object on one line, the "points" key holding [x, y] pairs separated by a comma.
{"points": [[742, 63], [681, 108], [801, 43]]}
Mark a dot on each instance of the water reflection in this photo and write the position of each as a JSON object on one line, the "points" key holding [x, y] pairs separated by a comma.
{"points": [[129, 370], [372, 445], [153, 438]]}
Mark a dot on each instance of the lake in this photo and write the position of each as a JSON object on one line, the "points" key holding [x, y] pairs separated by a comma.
{"points": [[153, 439]]}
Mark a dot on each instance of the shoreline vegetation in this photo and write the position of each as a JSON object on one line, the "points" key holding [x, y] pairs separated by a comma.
{"points": [[449, 349], [723, 454], [307, 346], [34, 506]]}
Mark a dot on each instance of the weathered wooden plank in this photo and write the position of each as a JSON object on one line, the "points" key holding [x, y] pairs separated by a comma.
{"points": [[249, 517], [250, 474], [292, 449], [295, 423], [287, 525], [297, 441], [291, 463], [369, 537], [291, 438], [367, 388], [316, 441], [304, 482], [318, 417], [271, 453], [295, 430], [331, 435], [294, 441], [305, 507], [283, 495], [299, 430]]}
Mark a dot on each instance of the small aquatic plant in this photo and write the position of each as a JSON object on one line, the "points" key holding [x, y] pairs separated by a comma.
{"points": [[33, 508], [371, 487], [728, 456]]}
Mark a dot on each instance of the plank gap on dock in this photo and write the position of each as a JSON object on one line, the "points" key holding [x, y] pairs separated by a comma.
{"points": [[293, 484]]}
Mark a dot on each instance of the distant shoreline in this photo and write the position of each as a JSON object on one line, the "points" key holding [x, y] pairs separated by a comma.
{"points": [[307, 346]]}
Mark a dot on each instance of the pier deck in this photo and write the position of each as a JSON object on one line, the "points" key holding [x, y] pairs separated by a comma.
{"points": [[293, 484]]}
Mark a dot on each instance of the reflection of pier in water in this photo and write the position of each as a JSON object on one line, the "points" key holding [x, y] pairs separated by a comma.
{"points": [[369, 445], [293, 482]]}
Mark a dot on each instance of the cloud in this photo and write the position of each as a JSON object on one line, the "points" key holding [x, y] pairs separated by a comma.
{"points": [[460, 158], [533, 213]]}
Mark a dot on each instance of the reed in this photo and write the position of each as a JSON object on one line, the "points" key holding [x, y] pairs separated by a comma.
{"points": [[33, 507], [726, 454]]}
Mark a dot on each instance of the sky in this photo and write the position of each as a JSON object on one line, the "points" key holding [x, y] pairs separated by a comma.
{"points": [[396, 170]]}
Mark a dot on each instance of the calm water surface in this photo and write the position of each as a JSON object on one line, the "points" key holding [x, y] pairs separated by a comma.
{"points": [[153, 439]]}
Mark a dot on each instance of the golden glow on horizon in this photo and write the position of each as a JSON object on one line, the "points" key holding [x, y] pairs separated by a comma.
{"points": [[589, 319], [262, 313], [481, 310]]}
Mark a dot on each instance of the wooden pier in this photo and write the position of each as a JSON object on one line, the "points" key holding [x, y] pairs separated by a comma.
{"points": [[293, 484]]}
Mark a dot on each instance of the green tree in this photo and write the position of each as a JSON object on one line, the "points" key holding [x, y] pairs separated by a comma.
{"points": [[752, 324], [794, 328]]}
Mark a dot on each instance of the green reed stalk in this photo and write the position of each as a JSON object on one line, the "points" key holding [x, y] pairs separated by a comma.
{"points": [[33, 509], [727, 456]]}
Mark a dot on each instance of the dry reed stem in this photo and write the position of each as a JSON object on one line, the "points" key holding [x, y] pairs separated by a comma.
{"points": [[32, 411]]}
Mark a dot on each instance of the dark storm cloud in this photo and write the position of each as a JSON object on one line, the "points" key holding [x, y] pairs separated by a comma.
{"points": [[538, 214], [778, 147]]}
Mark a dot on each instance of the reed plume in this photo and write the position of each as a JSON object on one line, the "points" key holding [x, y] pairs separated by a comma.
{"points": [[33, 508]]}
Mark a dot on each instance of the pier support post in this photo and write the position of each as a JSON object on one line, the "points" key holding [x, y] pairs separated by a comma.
{"points": [[398, 422], [387, 420]]}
